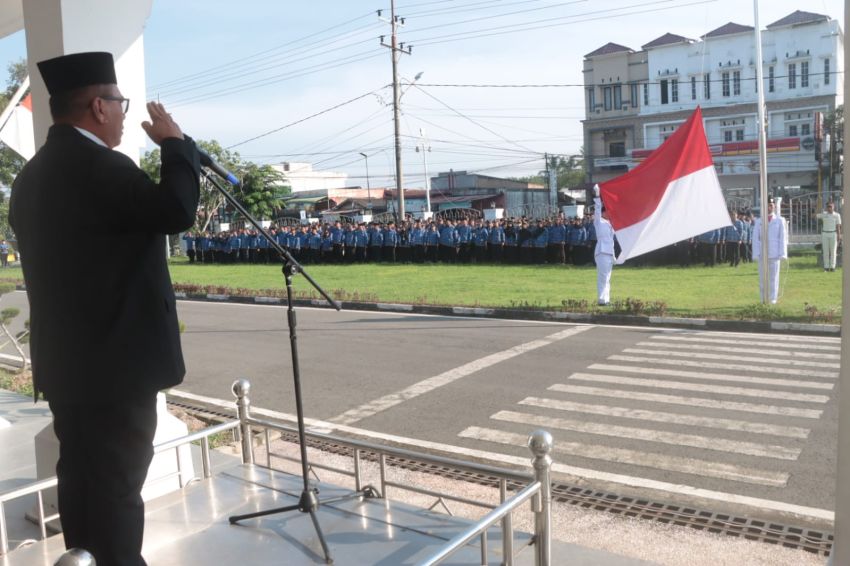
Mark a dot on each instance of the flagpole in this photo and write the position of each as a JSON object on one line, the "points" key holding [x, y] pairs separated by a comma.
{"points": [[762, 128], [13, 102]]}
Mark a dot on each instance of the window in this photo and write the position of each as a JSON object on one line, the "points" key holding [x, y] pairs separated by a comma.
{"points": [[706, 83], [618, 97], [805, 130], [736, 82], [646, 94], [591, 100], [826, 71], [792, 75], [792, 131], [617, 149], [739, 135], [804, 74], [727, 136], [693, 88], [607, 97], [770, 81], [725, 83], [674, 90], [633, 94], [663, 85]]}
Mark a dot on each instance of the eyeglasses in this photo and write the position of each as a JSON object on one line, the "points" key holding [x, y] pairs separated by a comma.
{"points": [[125, 102]]}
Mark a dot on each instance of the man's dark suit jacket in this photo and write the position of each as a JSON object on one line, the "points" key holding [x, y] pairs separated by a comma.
{"points": [[91, 230]]}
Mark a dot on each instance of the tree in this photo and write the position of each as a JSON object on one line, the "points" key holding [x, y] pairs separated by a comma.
{"points": [[10, 162], [569, 171], [261, 190], [211, 199]]}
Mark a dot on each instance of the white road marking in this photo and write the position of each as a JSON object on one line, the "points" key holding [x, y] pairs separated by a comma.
{"points": [[427, 385], [715, 365], [662, 417], [720, 389], [756, 503], [649, 435], [754, 340], [771, 339], [688, 401], [693, 466], [717, 376], [729, 357], [761, 351]]}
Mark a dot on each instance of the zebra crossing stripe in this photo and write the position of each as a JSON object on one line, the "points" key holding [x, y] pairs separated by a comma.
{"points": [[773, 337], [649, 435], [693, 466], [716, 365], [688, 401], [729, 357], [749, 340], [662, 417], [763, 352], [717, 376], [425, 386], [721, 389]]}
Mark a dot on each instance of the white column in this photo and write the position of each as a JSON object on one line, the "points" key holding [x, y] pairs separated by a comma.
{"points": [[60, 27], [841, 547]]}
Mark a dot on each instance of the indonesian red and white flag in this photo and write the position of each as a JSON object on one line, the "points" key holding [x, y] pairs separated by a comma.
{"points": [[672, 196], [17, 132]]}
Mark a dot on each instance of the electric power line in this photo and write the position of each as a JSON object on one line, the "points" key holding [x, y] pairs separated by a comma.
{"points": [[325, 111]]}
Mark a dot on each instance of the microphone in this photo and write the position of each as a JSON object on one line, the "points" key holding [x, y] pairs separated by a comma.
{"points": [[208, 162]]}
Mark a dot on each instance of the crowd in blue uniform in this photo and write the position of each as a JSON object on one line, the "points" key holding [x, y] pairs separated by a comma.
{"points": [[730, 244], [510, 241], [463, 241]]}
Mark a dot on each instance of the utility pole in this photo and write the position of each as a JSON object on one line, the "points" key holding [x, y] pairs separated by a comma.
{"points": [[395, 49], [552, 181], [425, 149]]}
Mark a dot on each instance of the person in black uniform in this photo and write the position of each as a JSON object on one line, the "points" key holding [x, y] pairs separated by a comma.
{"points": [[104, 339]]}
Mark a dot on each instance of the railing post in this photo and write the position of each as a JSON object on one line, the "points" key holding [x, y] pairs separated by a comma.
{"points": [[241, 389], [75, 557], [540, 443]]}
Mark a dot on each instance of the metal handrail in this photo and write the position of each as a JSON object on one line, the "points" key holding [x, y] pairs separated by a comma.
{"points": [[477, 529], [540, 443], [38, 487], [522, 477]]}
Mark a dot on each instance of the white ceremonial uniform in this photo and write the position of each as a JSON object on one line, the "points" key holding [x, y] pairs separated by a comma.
{"points": [[603, 253], [777, 250], [829, 237]]}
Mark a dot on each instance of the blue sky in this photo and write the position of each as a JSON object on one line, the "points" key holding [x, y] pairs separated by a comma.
{"points": [[233, 71]]}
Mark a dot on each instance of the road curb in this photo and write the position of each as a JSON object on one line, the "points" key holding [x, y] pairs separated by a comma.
{"points": [[749, 326]]}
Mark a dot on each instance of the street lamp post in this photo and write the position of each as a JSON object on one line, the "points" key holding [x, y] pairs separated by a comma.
{"points": [[424, 148], [368, 187]]}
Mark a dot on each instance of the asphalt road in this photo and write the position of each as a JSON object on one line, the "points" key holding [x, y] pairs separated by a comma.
{"points": [[740, 423]]}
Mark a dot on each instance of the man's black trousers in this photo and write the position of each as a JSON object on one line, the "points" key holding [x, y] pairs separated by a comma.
{"points": [[104, 453]]}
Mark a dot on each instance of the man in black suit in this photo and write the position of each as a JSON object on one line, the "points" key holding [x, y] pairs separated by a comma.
{"points": [[104, 338]]}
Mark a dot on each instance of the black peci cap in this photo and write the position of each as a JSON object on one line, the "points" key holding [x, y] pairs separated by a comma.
{"points": [[69, 72]]}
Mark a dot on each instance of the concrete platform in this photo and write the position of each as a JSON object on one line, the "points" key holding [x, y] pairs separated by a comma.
{"points": [[191, 526]]}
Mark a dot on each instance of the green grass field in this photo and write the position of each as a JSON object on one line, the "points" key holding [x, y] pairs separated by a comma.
{"points": [[719, 292]]}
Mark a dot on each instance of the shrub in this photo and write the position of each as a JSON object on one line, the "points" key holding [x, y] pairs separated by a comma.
{"points": [[760, 311]]}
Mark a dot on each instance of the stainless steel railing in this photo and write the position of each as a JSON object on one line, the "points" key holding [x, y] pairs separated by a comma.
{"points": [[538, 488], [39, 487]]}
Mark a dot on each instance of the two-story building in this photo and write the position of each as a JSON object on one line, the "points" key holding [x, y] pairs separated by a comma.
{"points": [[636, 99]]}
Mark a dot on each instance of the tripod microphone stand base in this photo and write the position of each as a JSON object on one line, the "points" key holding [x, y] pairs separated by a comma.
{"points": [[308, 503]]}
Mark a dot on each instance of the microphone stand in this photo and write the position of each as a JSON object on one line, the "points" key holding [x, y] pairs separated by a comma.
{"points": [[308, 502]]}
